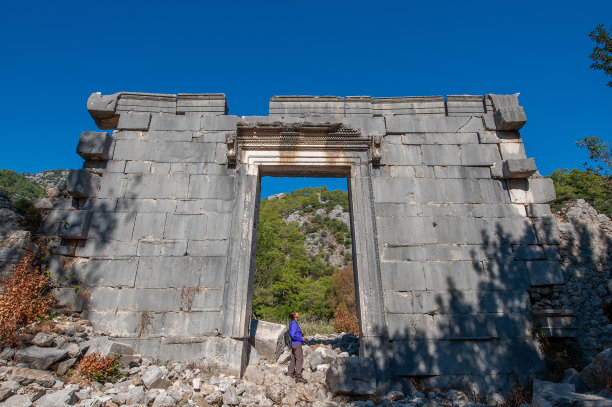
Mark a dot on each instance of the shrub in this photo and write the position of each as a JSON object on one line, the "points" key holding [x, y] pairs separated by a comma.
{"points": [[342, 300], [98, 368], [24, 297]]}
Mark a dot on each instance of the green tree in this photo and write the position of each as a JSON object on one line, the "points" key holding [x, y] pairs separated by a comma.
{"points": [[602, 52], [18, 187], [576, 184], [600, 155]]}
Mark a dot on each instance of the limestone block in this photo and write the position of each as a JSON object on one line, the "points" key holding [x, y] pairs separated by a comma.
{"points": [[463, 190], [106, 248], [546, 230], [519, 168], [402, 275], [146, 102], [393, 154], [304, 106], [207, 248], [64, 397], [449, 230], [538, 210], [400, 106], [453, 275], [479, 154], [106, 347], [354, 376], [135, 150], [544, 273], [432, 124], [39, 358], [508, 115], [82, 183], [267, 338], [461, 172], [110, 272], [157, 186], [425, 357], [406, 230], [186, 227], [149, 225], [542, 190], [213, 103], [505, 275], [512, 151], [94, 145], [102, 109], [137, 167], [445, 251], [219, 122], [442, 327], [528, 252], [596, 375], [146, 205], [211, 187], [74, 224], [134, 121], [186, 122], [441, 155], [25, 376], [112, 226], [358, 105], [181, 151], [162, 248], [115, 166], [171, 135], [218, 226], [465, 105]]}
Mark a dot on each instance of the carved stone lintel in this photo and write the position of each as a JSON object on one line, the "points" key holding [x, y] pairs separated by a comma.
{"points": [[375, 150], [232, 155]]}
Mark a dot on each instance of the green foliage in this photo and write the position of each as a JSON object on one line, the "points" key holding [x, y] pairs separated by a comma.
{"points": [[600, 155], [602, 52], [287, 276], [18, 187], [577, 184]]}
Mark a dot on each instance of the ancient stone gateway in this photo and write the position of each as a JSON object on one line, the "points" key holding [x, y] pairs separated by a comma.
{"points": [[450, 223]]}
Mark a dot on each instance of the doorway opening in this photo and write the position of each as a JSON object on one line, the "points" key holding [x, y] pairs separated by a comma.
{"points": [[304, 254]]}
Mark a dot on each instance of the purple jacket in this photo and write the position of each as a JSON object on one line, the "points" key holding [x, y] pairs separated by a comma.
{"points": [[296, 333]]}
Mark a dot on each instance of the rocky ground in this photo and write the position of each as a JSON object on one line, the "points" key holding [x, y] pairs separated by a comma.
{"points": [[40, 372]]}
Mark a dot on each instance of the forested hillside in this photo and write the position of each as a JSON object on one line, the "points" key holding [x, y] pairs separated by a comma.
{"points": [[28, 186], [303, 255]]}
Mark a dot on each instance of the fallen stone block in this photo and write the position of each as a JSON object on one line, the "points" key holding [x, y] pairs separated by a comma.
{"points": [[18, 400], [595, 376], [40, 358], [43, 340], [153, 378], [8, 389], [547, 394], [25, 376], [322, 356], [355, 376], [59, 398], [267, 339], [106, 347]]}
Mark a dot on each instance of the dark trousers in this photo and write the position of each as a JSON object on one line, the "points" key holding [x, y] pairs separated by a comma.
{"points": [[296, 361]]}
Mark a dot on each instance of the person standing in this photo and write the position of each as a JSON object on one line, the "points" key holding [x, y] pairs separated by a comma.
{"points": [[297, 356]]}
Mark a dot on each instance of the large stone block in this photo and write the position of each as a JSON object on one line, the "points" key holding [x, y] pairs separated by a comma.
{"points": [[39, 358], [134, 121], [219, 122], [402, 275], [135, 150], [432, 124], [112, 226], [94, 145], [186, 122], [453, 275], [393, 190], [508, 115], [393, 154], [149, 225], [74, 224], [411, 105], [110, 272], [463, 190], [441, 155], [82, 183], [354, 376], [442, 327], [408, 230], [186, 227], [544, 273], [146, 102], [212, 103], [157, 186], [211, 186], [162, 248], [106, 347], [268, 339], [519, 168], [102, 109], [479, 154]]}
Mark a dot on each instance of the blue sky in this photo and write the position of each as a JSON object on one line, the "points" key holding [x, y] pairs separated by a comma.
{"points": [[54, 54]]}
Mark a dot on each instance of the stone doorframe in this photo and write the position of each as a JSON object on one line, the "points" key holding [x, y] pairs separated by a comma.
{"points": [[303, 150]]}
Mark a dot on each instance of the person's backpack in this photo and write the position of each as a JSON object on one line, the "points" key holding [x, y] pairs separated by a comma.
{"points": [[288, 339]]}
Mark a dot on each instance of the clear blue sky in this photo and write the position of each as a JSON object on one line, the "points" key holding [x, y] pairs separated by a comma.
{"points": [[54, 54]]}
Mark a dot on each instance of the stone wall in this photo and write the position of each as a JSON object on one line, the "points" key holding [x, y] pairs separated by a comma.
{"points": [[451, 226], [580, 309]]}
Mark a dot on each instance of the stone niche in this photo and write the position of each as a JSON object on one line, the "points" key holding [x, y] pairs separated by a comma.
{"points": [[450, 221]]}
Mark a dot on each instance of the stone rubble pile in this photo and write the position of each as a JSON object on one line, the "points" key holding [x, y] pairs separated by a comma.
{"points": [[39, 373]]}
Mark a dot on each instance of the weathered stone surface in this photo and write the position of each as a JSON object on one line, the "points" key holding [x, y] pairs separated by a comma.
{"points": [[596, 375], [42, 339], [547, 394], [519, 168], [62, 397], [355, 376], [18, 400], [106, 347], [134, 121], [267, 338], [26, 376], [94, 145], [154, 378], [39, 358], [82, 183]]}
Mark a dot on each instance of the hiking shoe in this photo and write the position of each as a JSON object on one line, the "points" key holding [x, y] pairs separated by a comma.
{"points": [[300, 379], [290, 374]]}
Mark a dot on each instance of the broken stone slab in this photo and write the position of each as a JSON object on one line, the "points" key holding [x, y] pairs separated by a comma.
{"points": [[352, 375], [519, 168], [94, 145], [547, 394], [25, 376], [154, 378], [267, 339], [106, 347], [595, 376], [7, 389], [65, 396], [18, 400], [39, 358], [508, 114], [63, 366], [322, 356]]}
